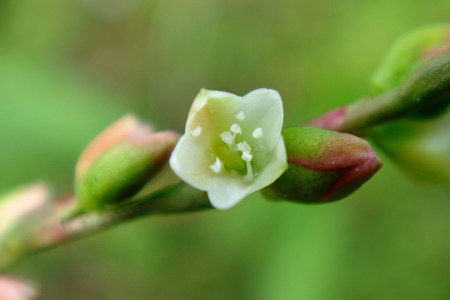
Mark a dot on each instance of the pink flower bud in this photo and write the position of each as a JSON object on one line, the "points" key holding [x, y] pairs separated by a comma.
{"points": [[18, 204], [13, 289]]}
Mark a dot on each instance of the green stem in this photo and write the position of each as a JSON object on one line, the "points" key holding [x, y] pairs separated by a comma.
{"points": [[178, 198], [427, 90]]}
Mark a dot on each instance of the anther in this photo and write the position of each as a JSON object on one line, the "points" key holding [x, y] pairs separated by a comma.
{"points": [[244, 147], [240, 115], [246, 156], [197, 131], [257, 133], [216, 167], [235, 128], [227, 137]]}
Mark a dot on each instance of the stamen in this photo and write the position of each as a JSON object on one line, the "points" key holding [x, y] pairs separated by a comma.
{"points": [[227, 137], [240, 115], [244, 147], [197, 131], [257, 133], [246, 156], [216, 167], [235, 128], [249, 175]]}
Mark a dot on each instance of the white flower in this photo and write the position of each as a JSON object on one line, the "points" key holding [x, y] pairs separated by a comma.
{"points": [[232, 146]]}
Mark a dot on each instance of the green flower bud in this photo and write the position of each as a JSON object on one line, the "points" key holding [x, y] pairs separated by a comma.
{"points": [[419, 143], [119, 162], [409, 53], [323, 165]]}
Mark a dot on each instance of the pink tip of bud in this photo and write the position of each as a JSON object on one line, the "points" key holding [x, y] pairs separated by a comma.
{"points": [[20, 203], [128, 128], [355, 176], [332, 120], [14, 289]]}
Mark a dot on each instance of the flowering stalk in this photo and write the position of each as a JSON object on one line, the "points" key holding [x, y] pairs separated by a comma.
{"points": [[49, 227], [232, 147], [427, 88]]}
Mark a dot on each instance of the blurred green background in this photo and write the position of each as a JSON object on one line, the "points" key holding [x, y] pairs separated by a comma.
{"points": [[70, 68]]}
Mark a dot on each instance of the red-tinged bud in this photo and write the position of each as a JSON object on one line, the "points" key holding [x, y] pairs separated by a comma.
{"points": [[323, 165], [128, 128], [14, 289], [16, 205], [120, 161]]}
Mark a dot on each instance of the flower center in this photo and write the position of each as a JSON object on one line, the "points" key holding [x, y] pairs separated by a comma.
{"points": [[237, 154]]}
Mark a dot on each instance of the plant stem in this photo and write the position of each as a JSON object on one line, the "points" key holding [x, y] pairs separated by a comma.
{"points": [[426, 91], [179, 198]]}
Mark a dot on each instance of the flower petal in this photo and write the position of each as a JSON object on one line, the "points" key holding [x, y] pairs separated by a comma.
{"points": [[274, 168], [226, 192], [232, 145]]}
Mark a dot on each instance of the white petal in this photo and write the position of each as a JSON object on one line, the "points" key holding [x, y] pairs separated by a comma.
{"points": [[226, 192], [263, 109], [189, 161], [199, 103], [276, 166]]}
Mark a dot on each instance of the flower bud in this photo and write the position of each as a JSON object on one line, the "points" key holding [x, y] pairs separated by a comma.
{"points": [[323, 165], [14, 289], [15, 206], [127, 128], [409, 53], [119, 162]]}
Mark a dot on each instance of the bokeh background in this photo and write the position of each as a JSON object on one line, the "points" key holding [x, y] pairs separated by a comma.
{"points": [[70, 68]]}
